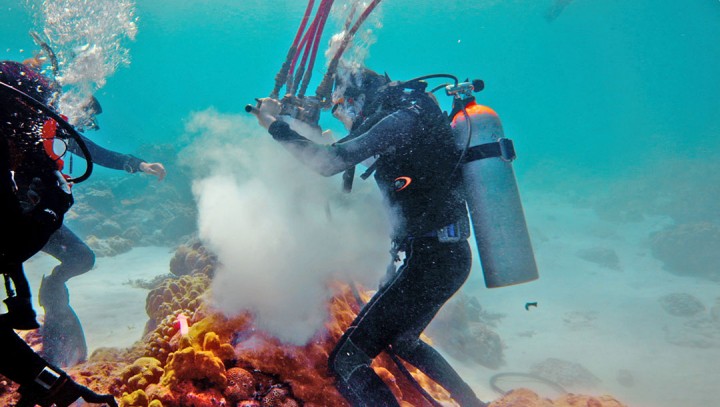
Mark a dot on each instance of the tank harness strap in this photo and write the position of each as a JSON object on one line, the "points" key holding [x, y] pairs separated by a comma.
{"points": [[503, 148]]}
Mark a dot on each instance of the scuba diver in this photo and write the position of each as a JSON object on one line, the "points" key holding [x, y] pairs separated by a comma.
{"points": [[34, 197], [416, 169], [63, 337]]}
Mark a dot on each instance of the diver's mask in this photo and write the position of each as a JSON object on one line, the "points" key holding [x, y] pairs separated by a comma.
{"points": [[88, 119], [348, 109]]}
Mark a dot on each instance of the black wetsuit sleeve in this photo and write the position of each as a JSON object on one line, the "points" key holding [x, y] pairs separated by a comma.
{"points": [[390, 132], [106, 158]]}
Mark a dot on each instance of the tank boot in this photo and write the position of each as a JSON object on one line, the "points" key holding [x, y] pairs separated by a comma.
{"points": [[20, 315]]}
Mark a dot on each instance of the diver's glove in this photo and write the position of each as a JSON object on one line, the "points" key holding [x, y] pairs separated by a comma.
{"points": [[53, 387]]}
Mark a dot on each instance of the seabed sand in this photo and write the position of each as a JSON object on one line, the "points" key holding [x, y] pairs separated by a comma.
{"points": [[606, 320], [111, 310]]}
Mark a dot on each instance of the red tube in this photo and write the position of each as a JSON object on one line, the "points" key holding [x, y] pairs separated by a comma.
{"points": [[303, 23], [315, 46]]}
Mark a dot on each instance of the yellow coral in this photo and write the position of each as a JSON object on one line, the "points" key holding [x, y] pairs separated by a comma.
{"points": [[138, 398], [143, 372], [199, 362]]}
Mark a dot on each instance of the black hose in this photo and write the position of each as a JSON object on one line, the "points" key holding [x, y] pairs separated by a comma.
{"points": [[63, 123]]}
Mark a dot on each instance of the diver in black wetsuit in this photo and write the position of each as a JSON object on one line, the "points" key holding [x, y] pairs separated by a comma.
{"points": [[416, 170], [63, 337], [33, 202]]}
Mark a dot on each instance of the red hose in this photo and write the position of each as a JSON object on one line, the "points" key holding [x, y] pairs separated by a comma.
{"points": [[315, 46]]}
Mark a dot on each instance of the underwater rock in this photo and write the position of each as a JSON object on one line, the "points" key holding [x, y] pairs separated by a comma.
{"points": [[691, 249], [681, 304], [108, 247], [565, 373], [462, 329], [604, 257]]}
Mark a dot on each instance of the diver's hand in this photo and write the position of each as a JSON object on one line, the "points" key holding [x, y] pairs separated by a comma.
{"points": [[267, 111], [156, 169]]}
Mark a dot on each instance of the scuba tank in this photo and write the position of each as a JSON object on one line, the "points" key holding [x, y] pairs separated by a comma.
{"points": [[491, 193]]}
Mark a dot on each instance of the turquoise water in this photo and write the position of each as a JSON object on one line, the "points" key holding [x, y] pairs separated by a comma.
{"points": [[612, 79], [613, 105]]}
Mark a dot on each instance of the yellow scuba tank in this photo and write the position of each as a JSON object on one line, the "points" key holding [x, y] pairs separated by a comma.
{"points": [[492, 196]]}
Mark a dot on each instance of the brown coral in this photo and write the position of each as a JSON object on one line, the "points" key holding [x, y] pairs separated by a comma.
{"points": [[527, 398], [241, 385], [176, 295], [191, 258]]}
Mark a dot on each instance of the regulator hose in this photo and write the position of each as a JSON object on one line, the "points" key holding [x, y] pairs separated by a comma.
{"points": [[62, 122]]}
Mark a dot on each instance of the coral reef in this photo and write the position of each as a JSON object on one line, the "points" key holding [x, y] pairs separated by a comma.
{"points": [[681, 304], [203, 358], [565, 373], [111, 246], [137, 207], [526, 398], [192, 257], [174, 296], [691, 249]]}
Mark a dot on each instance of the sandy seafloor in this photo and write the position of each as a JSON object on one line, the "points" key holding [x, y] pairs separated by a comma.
{"points": [[605, 319]]}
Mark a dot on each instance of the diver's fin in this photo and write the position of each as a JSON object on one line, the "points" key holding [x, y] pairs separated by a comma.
{"points": [[63, 337]]}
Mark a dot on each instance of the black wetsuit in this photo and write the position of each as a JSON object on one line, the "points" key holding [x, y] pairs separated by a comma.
{"points": [[23, 232], [416, 173], [74, 255]]}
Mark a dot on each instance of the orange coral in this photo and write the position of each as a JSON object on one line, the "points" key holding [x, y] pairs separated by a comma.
{"points": [[527, 398]]}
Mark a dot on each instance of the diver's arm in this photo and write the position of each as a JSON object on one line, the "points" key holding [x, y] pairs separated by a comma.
{"points": [[331, 159], [106, 158]]}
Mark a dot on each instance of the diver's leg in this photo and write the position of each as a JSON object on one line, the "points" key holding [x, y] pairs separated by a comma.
{"points": [[355, 379], [74, 255], [63, 337], [438, 270], [375, 327]]}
